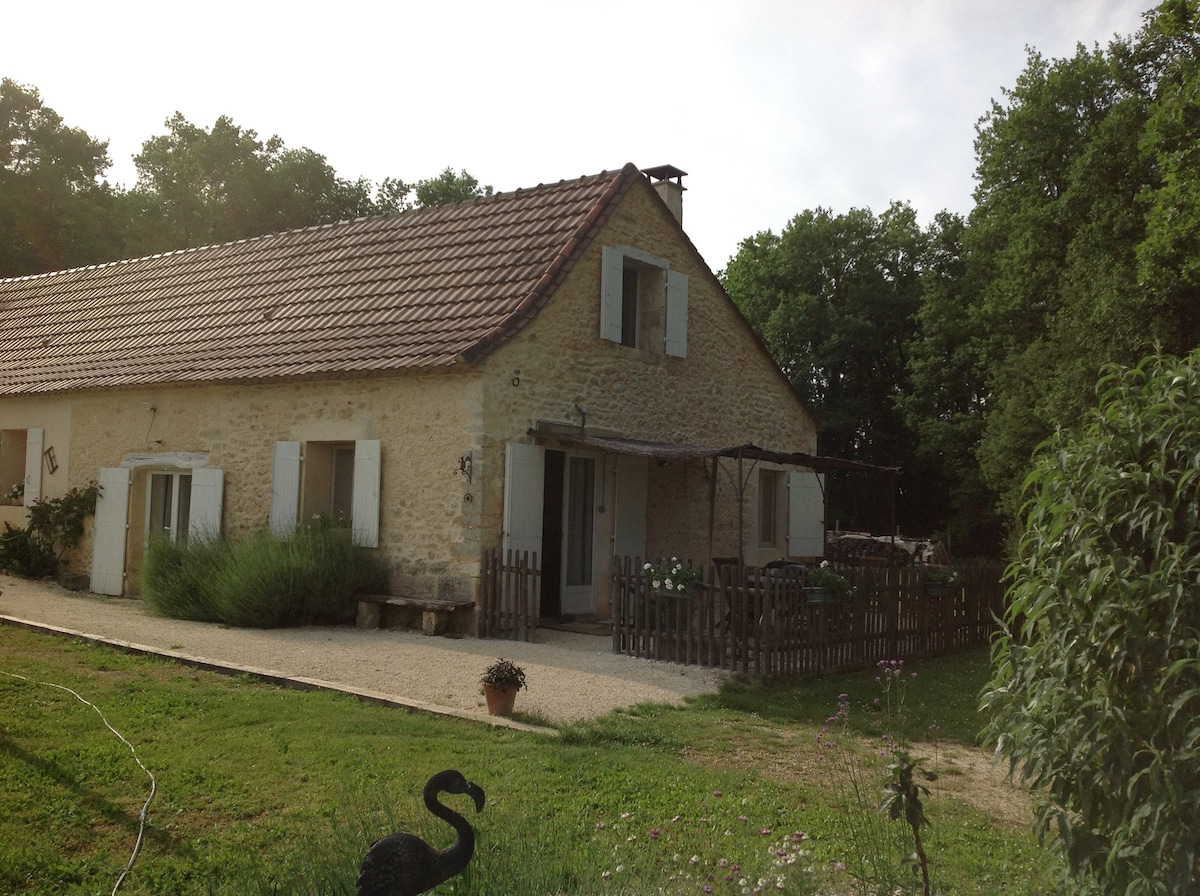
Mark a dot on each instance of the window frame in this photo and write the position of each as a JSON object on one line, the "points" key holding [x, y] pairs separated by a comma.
{"points": [[21, 464], [169, 511], [287, 486], [616, 302]]}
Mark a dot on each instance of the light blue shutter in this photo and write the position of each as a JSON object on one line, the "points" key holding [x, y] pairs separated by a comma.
{"points": [[108, 532], [285, 488], [524, 488], [806, 514], [629, 515], [611, 275], [208, 493], [364, 509], [677, 314], [34, 439]]}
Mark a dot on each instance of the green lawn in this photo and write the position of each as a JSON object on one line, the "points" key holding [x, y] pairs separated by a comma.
{"points": [[268, 790]]}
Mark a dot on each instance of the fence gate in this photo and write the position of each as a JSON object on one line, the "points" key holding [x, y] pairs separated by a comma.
{"points": [[510, 589]]}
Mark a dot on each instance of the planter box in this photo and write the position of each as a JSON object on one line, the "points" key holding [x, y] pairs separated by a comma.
{"points": [[817, 595]]}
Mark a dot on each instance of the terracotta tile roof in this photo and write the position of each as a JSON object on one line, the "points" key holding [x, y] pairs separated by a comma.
{"points": [[420, 289]]}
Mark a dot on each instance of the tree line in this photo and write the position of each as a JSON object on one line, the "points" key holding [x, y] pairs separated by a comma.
{"points": [[195, 186], [953, 350]]}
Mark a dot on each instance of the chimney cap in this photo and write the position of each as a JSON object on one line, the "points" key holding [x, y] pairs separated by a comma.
{"points": [[665, 172]]}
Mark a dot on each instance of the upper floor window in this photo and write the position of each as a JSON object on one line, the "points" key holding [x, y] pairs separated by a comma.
{"points": [[643, 302]]}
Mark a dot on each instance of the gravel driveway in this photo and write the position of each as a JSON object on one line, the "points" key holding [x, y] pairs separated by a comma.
{"points": [[570, 676]]}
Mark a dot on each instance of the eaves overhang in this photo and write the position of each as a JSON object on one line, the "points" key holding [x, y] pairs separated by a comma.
{"points": [[684, 451]]}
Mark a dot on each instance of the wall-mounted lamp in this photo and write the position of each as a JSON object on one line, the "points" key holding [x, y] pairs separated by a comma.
{"points": [[465, 463], [51, 461], [583, 409]]}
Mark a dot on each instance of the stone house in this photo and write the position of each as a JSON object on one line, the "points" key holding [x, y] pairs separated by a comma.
{"points": [[554, 369]]}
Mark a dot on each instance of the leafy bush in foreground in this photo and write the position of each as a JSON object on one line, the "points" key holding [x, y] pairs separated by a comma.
{"points": [[1095, 694], [263, 581]]}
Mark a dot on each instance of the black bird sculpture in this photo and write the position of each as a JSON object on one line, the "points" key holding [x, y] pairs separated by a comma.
{"points": [[404, 864]]}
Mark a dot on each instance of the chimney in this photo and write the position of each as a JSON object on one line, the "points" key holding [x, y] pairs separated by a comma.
{"points": [[668, 190]]}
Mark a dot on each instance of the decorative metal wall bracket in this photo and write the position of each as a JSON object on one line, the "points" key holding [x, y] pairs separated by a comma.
{"points": [[465, 463]]}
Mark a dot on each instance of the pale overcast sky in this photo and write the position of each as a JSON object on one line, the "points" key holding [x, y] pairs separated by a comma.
{"points": [[771, 106]]}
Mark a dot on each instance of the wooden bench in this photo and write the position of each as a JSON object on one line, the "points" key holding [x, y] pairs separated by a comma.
{"points": [[435, 614]]}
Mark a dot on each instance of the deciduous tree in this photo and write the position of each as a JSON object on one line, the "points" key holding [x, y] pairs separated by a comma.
{"points": [[198, 186], [834, 298], [55, 209]]}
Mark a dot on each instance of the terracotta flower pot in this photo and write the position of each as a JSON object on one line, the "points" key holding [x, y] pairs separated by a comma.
{"points": [[500, 700]]}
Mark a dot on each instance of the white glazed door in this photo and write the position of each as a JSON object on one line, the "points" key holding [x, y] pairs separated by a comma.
{"points": [[579, 535]]}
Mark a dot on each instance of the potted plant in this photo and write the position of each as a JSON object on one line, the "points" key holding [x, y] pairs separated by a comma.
{"points": [[501, 681], [672, 577], [939, 580], [823, 585], [15, 493]]}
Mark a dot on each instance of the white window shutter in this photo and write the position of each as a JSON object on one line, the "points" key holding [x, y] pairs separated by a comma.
{"points": [[208, 493], [285, 488], [109, 528], [677, 314], [524, 488], [806, 514], [611, 271], [629, 515], [34, 439], [365, 505]]}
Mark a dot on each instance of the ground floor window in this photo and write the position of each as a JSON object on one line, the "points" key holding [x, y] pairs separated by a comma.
{"points": [[20, 466], [339, 480], [327, 487]]}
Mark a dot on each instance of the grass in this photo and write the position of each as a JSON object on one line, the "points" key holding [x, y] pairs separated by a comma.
{"points": [[268, 790]]}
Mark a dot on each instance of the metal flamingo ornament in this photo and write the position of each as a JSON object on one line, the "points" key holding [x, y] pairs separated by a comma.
{"points": [[404, 864]]}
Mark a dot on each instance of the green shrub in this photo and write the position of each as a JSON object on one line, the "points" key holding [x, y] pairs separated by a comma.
{"points": [[23, 555], [1095, 694], [262, 581], [177, 578], [54, 526]]}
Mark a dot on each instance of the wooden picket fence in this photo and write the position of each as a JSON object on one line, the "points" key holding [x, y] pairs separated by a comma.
{"points": [[749, 619], [510, 591]]}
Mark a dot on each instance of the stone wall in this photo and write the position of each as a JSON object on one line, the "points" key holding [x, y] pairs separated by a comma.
{"points": [[424, 422]]}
